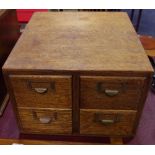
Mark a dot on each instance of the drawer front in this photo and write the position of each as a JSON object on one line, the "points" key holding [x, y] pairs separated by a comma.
{"points": [[110, 92], [107, 122], [45, 121], [42, 91]]}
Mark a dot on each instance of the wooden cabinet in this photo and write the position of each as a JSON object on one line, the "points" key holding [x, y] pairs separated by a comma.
{"points": [[83, 73]]}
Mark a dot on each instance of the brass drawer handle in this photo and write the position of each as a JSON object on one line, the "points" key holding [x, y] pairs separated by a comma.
{"points": [[45, 119], [110, 92], [107, 121], [41, 90], [101, 118]]}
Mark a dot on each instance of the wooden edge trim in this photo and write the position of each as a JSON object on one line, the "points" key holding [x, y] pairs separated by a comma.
{"points": [[75, 104], [40, 142], [116, 140], [4, 104]]}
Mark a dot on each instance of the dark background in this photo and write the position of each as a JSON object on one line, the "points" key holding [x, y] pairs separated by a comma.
{"points": [[147, 21]]}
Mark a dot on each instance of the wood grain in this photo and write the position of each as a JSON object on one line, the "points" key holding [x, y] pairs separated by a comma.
{"points": [[58, 93], [98, 47], [75, 104], [2, 11], [124, 126], [128, 96], [116, 141], [41, 142], [4, 104], [60, 124], [79, 41]]}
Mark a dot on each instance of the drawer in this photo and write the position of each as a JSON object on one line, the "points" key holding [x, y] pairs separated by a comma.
{"points": [[45, 121], [107, 122], [110, 92], [42, 91]]}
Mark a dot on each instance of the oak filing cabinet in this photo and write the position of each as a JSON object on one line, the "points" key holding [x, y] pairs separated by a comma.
{"points": [[78, 73]]}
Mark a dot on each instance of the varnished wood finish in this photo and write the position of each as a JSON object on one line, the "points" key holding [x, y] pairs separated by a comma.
{"points": [[9, 33], [116, 141], [76, 106], [79, 41], [61, 121], [58, 94], [41, 142], [86, 47], [2, 11], [121, 127], [92, 96], [4, 104]]}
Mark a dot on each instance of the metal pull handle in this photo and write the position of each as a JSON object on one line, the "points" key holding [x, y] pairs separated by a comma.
{"points": [[41, 87], [41, 90], [110, 92], [107, 121], [45, 120]]}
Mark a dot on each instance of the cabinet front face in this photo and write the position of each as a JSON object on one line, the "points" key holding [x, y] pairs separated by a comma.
{"points": [[99, 92], [42, 91], [107, 122], [108, 106], [47, 121]]}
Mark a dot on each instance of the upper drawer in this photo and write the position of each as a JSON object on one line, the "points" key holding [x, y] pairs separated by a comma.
{"points": [[110, 92], [42, 91]]}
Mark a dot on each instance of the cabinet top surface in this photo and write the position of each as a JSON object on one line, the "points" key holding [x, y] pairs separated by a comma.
{"points": [[79, 41]]}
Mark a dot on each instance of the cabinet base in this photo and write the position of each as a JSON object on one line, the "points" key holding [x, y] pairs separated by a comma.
{"points": [[73, 138]]}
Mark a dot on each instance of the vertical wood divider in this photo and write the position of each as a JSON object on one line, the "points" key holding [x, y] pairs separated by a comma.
{"points": [[75, 103]]}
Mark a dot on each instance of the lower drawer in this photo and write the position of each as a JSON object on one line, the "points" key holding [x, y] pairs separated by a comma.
{"points": [[45, 121], [107, 122]]}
